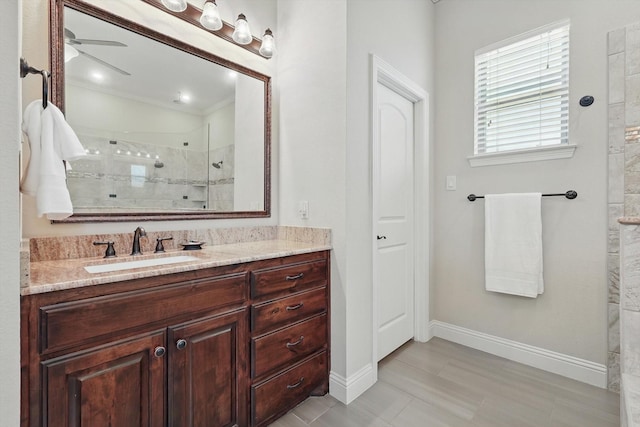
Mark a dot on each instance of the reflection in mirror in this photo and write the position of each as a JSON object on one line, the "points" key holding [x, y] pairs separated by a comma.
{"points": [[168, 133]]}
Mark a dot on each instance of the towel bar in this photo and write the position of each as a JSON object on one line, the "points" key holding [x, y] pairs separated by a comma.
{"points": [[571, 194], [27, 69]]}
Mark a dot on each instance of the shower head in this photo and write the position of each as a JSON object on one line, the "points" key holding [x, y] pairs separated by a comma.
{"points": [[217, 165]]}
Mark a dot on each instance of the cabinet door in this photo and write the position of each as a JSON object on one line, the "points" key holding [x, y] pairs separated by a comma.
{"points": [[208, 372], [120, 384]]}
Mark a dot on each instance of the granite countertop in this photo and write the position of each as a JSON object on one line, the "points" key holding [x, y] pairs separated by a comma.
{"points": [[48, 276]]}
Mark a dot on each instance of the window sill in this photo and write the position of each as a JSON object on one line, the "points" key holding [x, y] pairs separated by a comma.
{"points": [[523, 156]]}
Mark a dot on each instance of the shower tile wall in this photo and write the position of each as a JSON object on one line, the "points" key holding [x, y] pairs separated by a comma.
{"points": [[624, 168], [115, 175], [221, 180]]}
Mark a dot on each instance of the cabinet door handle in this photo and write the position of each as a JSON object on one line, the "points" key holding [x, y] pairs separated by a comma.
{"points": [[295, 343], [159, 351], [294, 307], [181, 344], [296, 277], [300, 381], [382, 237]]}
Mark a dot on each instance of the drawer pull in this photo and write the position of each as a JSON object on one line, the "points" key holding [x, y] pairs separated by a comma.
{"points": [[181, 344], [300, 381], [296, 277], [295, 343], [294, 307], [159, 351]]}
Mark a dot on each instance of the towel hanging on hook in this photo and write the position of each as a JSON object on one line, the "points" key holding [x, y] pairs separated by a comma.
{"points": [[25, 69]]}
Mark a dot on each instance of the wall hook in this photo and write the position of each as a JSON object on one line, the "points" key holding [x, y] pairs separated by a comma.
{"points": [[586, 100]]}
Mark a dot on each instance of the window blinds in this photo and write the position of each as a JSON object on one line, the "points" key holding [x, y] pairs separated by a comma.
{"points": [[522, 92]]}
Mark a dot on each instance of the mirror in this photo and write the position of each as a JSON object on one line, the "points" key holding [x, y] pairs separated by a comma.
{"points": [[171, 131]]}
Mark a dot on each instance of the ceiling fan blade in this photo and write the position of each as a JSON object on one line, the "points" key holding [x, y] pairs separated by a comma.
{"points": [[101, 62], [68, 34], [100, 42]]}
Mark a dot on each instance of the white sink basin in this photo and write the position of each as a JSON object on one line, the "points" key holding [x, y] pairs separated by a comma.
{"points": [[126, 265]]}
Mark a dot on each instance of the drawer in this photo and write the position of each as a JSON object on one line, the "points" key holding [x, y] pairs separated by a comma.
{"points": [[66, 324], [289, 278], [284, 391], [289, 344], [269, 315]]}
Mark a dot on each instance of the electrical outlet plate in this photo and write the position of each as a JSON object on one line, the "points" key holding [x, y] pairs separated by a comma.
{"points": [[303, 209], [451, 182]]}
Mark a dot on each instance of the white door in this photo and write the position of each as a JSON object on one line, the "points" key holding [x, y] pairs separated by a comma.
{"points": [[393, 208]]}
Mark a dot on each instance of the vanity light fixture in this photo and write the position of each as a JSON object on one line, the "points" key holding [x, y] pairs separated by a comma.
{"points": [[268, 46], [242, 32], [175, 5], [210, 18]]}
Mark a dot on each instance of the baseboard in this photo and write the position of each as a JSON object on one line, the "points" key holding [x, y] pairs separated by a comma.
{"points": [[558, 363], [348, 389]]}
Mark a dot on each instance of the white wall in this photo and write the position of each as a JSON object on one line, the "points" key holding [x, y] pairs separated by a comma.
{"points": [[102, 114], [312, 74], [260, 13], [571, 316], [249, 149], [222, 126], [323, 71], [401, 34], [10, 27]]}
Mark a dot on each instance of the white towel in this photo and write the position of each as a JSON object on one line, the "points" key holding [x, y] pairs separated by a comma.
{"points": [[513, 244], [51, 141]]}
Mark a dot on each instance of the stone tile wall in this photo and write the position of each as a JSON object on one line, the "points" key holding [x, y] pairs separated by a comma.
{"points": [[169, 178], [630, 321], [616, 52], [624, 168]]}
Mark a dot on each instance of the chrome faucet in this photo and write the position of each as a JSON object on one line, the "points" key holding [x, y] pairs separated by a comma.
{"points": [[137, 234]]}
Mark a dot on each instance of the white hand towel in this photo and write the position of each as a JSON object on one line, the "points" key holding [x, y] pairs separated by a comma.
{"points": [[51, 141], [513, 244]]}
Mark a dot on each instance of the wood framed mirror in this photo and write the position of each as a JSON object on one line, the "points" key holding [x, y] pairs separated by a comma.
{"points": [[172, 132]]}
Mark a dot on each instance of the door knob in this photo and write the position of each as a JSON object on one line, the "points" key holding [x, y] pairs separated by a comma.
{"points": [[159, 351], [181, 344]]}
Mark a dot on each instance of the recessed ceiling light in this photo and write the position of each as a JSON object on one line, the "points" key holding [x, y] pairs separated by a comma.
{"points": [[97, 76], [182, 98]]}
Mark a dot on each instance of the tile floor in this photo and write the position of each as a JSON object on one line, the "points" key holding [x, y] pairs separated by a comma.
{"points": [[439, 383]]}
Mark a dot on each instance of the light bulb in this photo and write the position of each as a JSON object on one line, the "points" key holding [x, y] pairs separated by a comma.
{"points": [[268, 46], [242, 33], [210, 18], [175, 5]]}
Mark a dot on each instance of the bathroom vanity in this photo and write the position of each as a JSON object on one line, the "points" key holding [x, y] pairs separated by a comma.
{"points": [[212, 342]]}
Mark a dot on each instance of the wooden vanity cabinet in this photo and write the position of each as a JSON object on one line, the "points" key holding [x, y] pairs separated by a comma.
{"points": [[207, 372], [118, 384], [165, 351], [289, 336], [200, 348]]}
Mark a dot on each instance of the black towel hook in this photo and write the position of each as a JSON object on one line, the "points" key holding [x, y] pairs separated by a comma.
{"points": [[25, 69]]}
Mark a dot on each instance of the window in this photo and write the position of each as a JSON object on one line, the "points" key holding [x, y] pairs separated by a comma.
{"points": [[522, 92]]}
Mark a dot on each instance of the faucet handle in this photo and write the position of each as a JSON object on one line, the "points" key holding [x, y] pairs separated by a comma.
{"points": [[110, 252], [159, 245]]}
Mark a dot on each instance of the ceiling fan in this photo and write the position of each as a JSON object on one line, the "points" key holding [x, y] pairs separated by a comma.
{"points": [[71, 43]]}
